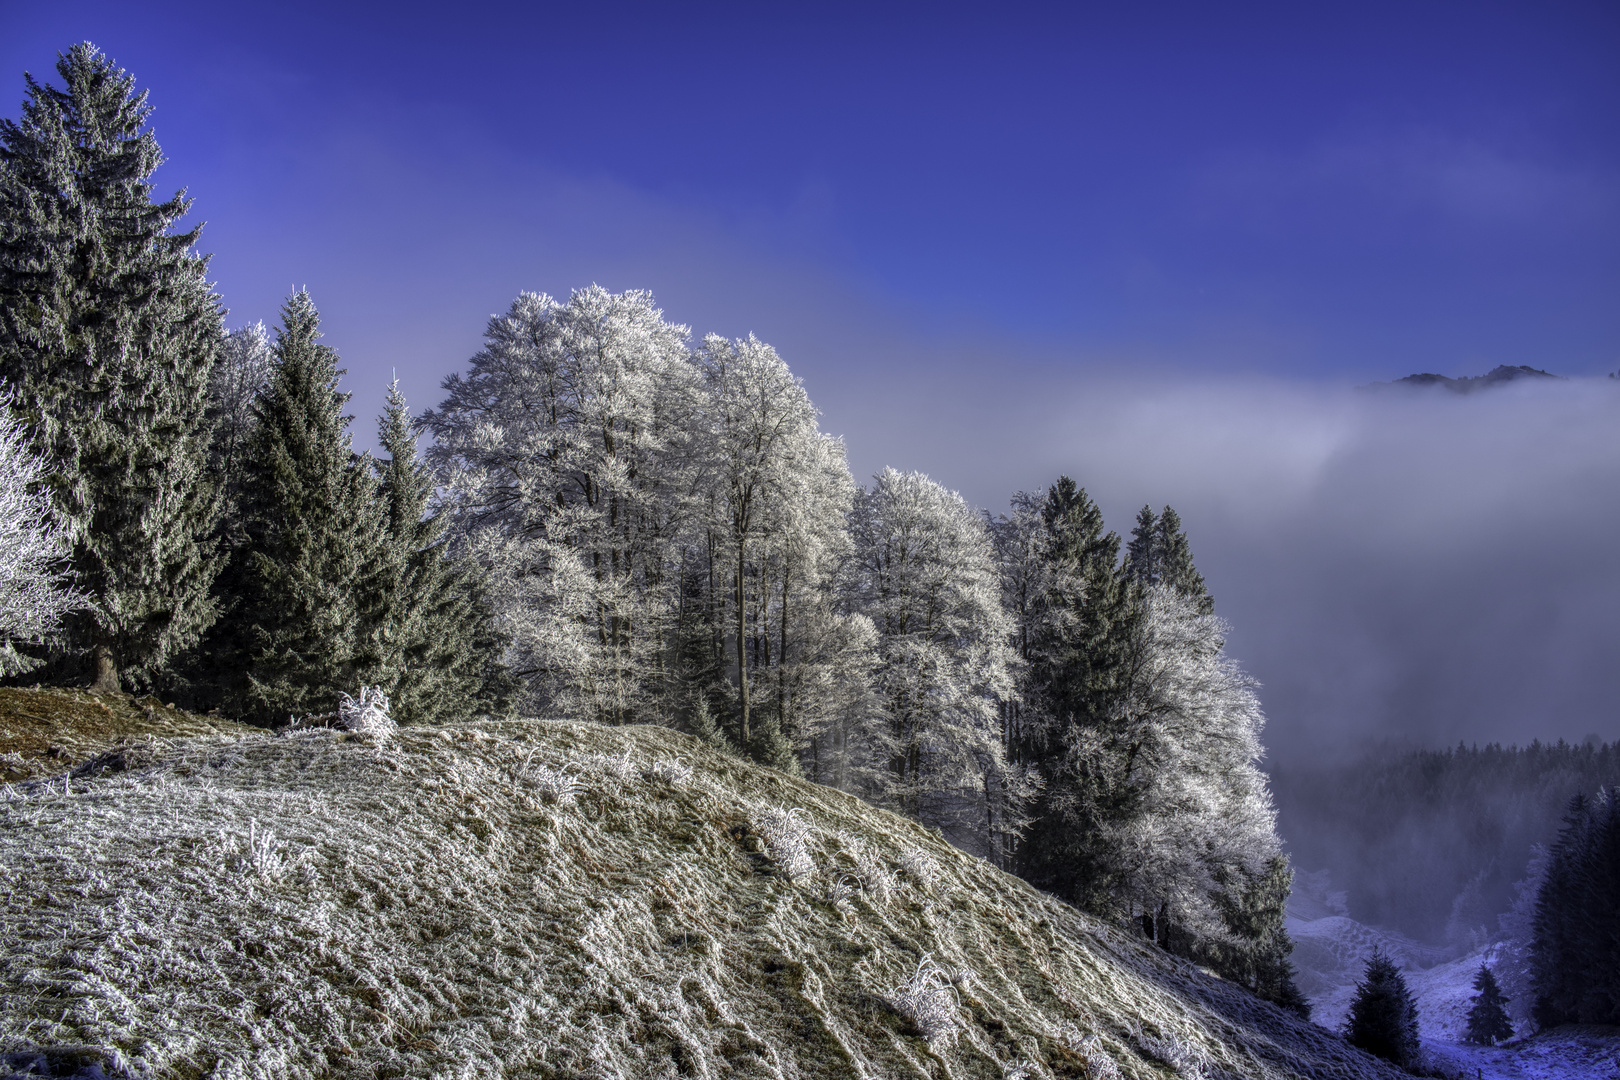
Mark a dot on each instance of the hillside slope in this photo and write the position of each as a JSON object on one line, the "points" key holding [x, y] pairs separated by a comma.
{"points": [[552, 899]]}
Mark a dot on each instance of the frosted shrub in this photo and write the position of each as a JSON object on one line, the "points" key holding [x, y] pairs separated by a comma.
{"points": [[787, 842], [929, 1001], [1099, 1065], [875, 877], [675, 772], [621, 768], [262, 859], [840, 891], [1186, 1059], [367, 713], [554, 785], [920, 867]]}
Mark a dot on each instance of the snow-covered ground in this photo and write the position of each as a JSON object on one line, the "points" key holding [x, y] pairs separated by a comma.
{"points": [[1331, 951]]}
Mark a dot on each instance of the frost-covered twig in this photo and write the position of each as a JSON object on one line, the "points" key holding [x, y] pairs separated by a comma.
{"points": [[787, 842], [263, 859], [1186, 1059]]}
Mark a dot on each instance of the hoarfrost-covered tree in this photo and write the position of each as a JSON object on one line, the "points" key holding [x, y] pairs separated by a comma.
{"points": [[1187, 743], [36, 590], [927, 578], [108, 334], [437, 647], [566, 450], [778, 492], [246, 361]]}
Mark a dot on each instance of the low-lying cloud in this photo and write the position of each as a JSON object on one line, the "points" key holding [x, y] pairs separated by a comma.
{"points": [[1407, 566]]}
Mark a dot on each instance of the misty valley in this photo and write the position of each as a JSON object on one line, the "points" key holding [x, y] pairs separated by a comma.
{"points": [[601, 723]]}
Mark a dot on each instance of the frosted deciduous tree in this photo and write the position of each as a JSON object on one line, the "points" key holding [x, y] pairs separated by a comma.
{"points": [[778, 492], [1187, 744], [35, 586], [927, 578], [566, 451], [246, 359], [108, 334]]}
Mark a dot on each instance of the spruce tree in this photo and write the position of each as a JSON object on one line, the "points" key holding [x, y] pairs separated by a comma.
{"points": [[1575, 956], [108, 335], [1256, 952], [1488, 1022], [1078, 671], [1159, 554], [437, 646], [1383, 1017], [309, 579], [1176, 567]]}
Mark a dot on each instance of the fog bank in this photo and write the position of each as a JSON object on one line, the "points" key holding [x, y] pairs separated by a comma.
{"points": [[1410, 566]]}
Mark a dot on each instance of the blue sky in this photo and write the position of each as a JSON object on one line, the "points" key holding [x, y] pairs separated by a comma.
{"points": [[1143, 244], [1326, 191]]}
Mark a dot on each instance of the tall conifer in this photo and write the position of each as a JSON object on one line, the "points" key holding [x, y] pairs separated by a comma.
{"points": [[1078, 672], [108, 333], [309, 575], [437, 645]]}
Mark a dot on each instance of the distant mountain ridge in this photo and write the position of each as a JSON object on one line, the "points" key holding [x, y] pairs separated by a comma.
{"points": [[1500, 375]]}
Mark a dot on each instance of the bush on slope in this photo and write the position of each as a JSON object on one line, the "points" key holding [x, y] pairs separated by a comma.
{"points": [[328, 904]]}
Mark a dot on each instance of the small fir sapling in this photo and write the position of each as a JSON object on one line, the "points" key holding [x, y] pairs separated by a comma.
{"points": [[1488, 1022], [1383, 1017]]}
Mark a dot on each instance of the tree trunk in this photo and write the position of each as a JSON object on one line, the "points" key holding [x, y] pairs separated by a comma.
{"points": [[742, 643], [106, 671]]}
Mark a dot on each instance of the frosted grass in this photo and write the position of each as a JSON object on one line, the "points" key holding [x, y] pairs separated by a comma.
{"points": [[331, 904]]}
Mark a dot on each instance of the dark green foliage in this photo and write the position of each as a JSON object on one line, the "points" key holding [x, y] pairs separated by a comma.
{"points": [[1078, 666], [1575, 958], [437, 647], [1159, 554], [308, 584], [1488, 1022], [1383, 1017], [108, 333], [1406, 833], [1253, 907]]}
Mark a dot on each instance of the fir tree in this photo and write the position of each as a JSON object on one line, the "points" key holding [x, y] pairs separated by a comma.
{"points": [[1488, 1022], [1383, 1016], [1159, 554], [436, 644], [309, 578], [1078, 672], [1253, 907], [1575, 957], [108, 333]]}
